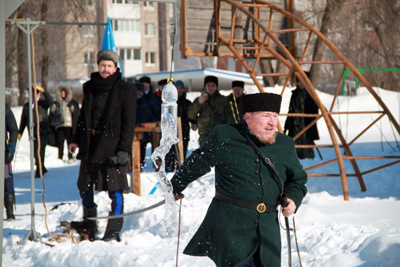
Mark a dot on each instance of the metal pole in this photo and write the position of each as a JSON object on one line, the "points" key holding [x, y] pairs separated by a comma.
{"points": [[32, 235]]}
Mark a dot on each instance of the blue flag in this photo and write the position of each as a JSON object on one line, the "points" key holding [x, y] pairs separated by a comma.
{"points": [[108, 40]]}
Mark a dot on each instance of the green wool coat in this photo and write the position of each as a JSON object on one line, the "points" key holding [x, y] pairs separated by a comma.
{"points": [[209, 114], [229, 234]]}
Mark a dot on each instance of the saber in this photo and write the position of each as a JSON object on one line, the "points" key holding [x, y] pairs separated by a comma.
{"points": [[162, 202]]}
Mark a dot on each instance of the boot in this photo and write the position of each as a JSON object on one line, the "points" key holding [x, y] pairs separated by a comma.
{"points": [[9, 205], [114, 226], [86, 228]]}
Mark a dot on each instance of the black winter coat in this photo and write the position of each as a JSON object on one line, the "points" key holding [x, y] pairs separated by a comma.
{"points": [[183, 106], [116, 133], [43, 105]]}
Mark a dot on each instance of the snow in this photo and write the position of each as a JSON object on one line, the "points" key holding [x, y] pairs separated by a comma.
{"points": [[364, 231]]}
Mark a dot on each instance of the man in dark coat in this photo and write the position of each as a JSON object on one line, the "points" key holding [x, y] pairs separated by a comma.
{"points": [[64, 115], [44, 125], [104, 135], [209, 109], [147, 136], [235, 112], [302, 102], [241, 226], [144, 114], [11, 141]]}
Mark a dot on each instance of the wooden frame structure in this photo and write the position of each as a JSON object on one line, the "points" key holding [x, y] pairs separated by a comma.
{"points": [[226, 36]]}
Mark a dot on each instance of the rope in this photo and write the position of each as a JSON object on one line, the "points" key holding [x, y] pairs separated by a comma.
{"points": [[70, 233]]}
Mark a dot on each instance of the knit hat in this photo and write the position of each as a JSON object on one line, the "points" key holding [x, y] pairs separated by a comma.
{"points": [[179, 83], [107, 55], [145, 79], [261, 102], [210, 79], [237, 84]]}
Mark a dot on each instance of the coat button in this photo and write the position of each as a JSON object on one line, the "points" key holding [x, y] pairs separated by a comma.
{"points": [[256, 221], [257, 160], [257, 172], [258, 184]]}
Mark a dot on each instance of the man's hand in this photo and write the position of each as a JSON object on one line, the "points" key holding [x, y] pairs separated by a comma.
{"points": [[179, 196], [203, 98], [19, 137], [289, 209], [72, 147]]}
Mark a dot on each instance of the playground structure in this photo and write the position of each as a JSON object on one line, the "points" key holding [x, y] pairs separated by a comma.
{"points": [[253, 30]]}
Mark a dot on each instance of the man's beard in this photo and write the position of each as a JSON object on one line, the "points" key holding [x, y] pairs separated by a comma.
{"points": [[264, 139]]}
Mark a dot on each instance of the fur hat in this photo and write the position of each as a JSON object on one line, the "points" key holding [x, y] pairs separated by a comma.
{"points": [[237, 84], [145, 79], [261, 102], [210, 79], [179, 83], [162, 82], [107, 55]]}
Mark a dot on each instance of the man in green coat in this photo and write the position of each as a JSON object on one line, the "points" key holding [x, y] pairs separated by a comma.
{"points": [[209, 109], [241, 225]]}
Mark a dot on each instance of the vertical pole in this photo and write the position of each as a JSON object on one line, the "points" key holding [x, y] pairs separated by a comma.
{"points": [[2, 117], [32, 235]]}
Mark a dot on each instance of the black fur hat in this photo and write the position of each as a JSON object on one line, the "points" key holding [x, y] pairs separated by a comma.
{"points": [[162, 82], [145, 79], [261, 102], [237, 84], [107, 55], [210, 79]]}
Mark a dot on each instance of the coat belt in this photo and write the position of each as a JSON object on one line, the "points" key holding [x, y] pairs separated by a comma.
{"points": [[259, 207]]}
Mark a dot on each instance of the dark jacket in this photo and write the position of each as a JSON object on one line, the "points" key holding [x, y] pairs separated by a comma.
{"points": [[11, 135], [301, 102], [155, 102], [235, 111], [229, 234], [144, 113], [208, 114], [118, 124], [183, 106], [67, 107], [43, 105]]}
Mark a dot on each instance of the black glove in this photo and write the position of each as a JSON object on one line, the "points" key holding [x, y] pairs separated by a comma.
{"points": [[120, 159], [8, 157]]}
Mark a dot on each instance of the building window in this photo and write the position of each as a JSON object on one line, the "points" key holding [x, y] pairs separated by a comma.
{"points": [[129, 54], [125, 25], [89, 58], [88, 30], [134, 2], [148, 4], [136, 54], [150, 58], [149, 29]]}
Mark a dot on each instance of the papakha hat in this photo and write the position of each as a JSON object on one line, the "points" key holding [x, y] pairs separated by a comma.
{"points": [[145, 79], [162, 82], [261, 102], [107, 55], [210, 79], [237, 84]]}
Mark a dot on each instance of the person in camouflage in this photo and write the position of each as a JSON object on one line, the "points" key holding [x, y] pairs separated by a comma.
{"points": [[209, 109]]}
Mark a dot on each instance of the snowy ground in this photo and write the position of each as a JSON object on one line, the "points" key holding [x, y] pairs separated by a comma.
{"points": [[364, 231]]}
